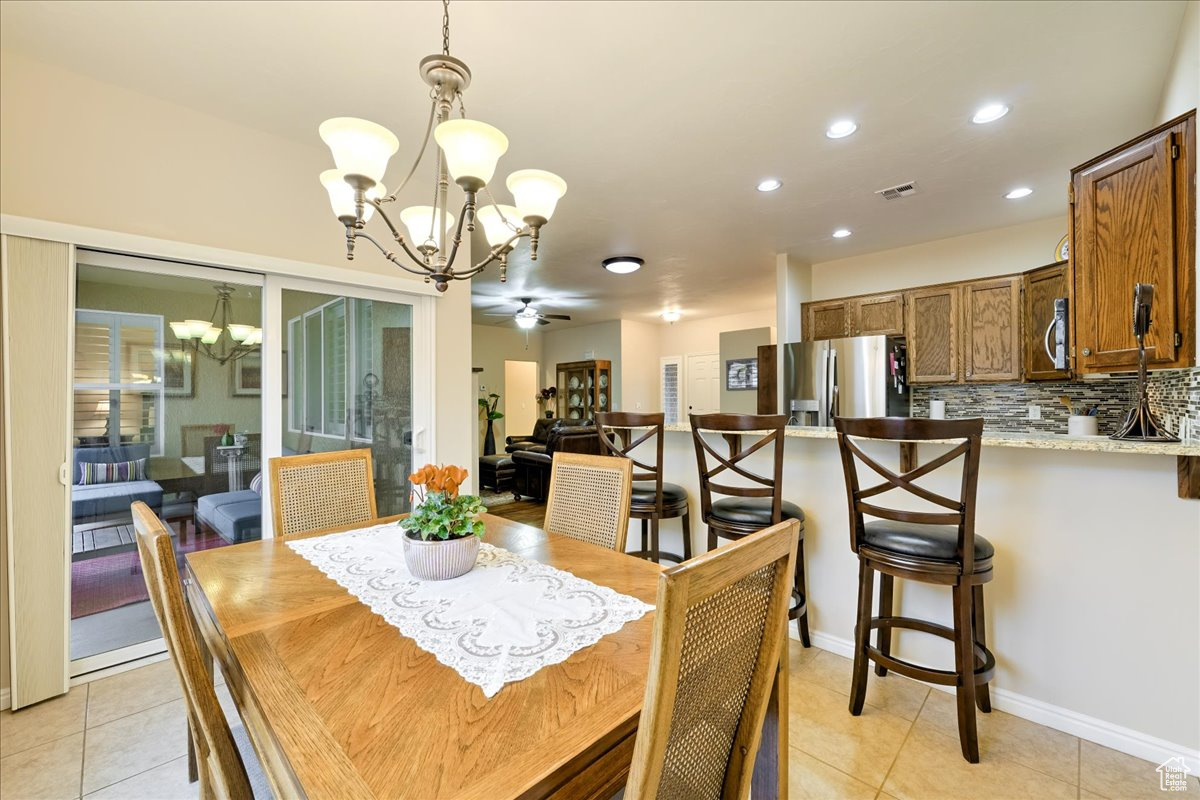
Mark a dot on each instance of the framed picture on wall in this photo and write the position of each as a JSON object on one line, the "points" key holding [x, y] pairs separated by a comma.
{"points": [[179, 373], [741, 374], [247, 376]]}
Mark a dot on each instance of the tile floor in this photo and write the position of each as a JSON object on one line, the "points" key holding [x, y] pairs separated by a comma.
{"points": [[124, 738]]}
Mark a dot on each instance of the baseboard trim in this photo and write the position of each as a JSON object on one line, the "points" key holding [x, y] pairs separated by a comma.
{"points": [[5, 699], [1121, 739]]}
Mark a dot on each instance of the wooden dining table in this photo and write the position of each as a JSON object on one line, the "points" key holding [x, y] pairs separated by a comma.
{"points": [[338, 703]]}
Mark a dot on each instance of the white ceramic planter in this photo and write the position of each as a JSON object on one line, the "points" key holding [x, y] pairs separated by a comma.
{"points": [[440, 559]]}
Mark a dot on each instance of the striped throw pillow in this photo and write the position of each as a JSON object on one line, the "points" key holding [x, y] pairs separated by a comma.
{"points": [[256, 483], [115, 472]]}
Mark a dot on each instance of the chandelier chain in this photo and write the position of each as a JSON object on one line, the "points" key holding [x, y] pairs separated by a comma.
{"points": [[445, 27]]}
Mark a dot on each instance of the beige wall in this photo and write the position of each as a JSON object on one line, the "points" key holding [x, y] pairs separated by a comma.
{"points": [[741, 344], [491, 346], [639, 367], [1181, 90], [83, 152], [5, 681], [977, 255], [704, 335], [573, 344]]}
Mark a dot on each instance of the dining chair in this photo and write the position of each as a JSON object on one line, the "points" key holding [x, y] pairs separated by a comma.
{"points": [[637, 436], [322, 490], [589, 499], [937, 545], [718, 636], [751, 500], [224, 769]]}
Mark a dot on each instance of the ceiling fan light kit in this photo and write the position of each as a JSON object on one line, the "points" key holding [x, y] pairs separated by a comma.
{"points": [[467, 152]]}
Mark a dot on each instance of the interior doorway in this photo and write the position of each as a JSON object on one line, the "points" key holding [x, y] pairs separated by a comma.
{"points": [[704, 383], [520, 407]]}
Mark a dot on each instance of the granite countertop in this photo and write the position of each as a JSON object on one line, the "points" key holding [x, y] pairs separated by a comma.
{"points": [[1035, 441]]}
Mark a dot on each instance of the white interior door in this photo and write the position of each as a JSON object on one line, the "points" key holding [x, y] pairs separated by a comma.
{"points": [[704, 383], [520, 386]]}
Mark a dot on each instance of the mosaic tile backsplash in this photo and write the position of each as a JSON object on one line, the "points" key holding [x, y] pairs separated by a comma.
{"points": [[1174, 396]]}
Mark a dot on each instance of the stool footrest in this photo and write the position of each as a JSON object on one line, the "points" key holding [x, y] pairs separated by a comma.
{"points": [[985, 662], [651, 555], [799, 605]]}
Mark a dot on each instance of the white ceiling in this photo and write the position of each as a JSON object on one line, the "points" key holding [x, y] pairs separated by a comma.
{"points": [[662, 117]]}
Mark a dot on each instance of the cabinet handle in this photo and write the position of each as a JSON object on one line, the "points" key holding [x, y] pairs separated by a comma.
{"points": [[1087, 351]]}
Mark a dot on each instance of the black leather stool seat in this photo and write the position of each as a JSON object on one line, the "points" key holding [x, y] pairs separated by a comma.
{"points": [[751, 511], [931, 542], [643, 494]]}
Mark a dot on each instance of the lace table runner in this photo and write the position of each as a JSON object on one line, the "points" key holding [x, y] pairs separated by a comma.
{"points": [[501, 622]]}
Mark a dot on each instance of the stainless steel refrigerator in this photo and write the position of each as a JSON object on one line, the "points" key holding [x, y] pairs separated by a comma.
{"points": [[862, 376]]}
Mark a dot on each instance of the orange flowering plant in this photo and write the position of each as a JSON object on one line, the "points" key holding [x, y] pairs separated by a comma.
{"points": [[439, 511]]}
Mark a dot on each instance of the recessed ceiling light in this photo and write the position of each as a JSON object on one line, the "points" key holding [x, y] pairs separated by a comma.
{"points": [[841, 233], [841, 129], [769, 185], [989, 113], [670, 316], [1019, 192], [623, 265]]}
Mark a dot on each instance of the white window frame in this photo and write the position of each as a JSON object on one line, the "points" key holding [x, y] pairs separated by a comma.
{"points": [[663, 363], [351, 358], [114, 319]]}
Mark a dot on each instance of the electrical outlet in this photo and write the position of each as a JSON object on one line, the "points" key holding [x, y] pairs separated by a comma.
{"points": [[1035, 411], [482, 388], [638, 405]]}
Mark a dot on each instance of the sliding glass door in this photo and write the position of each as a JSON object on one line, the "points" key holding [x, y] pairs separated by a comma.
{"points": [[164, 413], [347, 380]]}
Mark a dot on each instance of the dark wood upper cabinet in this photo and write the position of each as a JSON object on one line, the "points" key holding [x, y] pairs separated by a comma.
{"points": [[828, 319], [932, 334], [1042, 287], [1133, 220], [878, 314], [991, 339]]}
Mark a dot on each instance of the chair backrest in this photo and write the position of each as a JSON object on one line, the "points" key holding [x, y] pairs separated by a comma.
{"points": [[712, 463], [960, 511], [192, 437], [618, 438], [322, 490], [717, 639], [589, 499], [217, 757]]}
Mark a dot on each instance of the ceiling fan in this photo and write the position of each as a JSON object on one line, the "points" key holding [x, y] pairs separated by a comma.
{"points": [[528, 316]]}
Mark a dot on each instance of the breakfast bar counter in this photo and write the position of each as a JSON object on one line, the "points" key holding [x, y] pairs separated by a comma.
{"points": [[1095, 604]]}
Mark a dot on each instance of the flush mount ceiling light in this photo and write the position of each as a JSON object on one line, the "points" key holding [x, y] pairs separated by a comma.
{"points": [[623, 265], [769, 184], [670, 316], [1018, 193], [841, 129], [989, 113], [467, 152], [841, 233]]}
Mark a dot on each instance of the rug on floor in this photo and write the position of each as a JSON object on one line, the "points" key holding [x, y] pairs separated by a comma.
{"points": [[492, 499]]}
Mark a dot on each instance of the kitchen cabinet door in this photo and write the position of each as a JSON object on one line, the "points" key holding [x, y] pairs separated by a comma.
{"points": [[992, 330], [932, 331], [878, 314], [828, 319], [1042, 287], [1134, 221]]}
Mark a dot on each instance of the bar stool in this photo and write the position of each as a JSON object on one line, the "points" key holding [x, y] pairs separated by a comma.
{"points": [[652, 499], [748, 508], [937, 547]]}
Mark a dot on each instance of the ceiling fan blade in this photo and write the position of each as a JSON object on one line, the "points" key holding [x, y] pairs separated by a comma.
{"points": [[543, 322], [556, 316], [499, 315]]}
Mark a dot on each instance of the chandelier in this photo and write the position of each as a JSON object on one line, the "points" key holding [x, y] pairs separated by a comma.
{"points": [[467, 152], [205, 336]]}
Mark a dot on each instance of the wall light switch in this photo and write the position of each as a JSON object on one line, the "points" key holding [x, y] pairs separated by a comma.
{"points": [[1035, 411]]}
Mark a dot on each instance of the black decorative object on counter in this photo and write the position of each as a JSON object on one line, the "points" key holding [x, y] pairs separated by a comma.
{"points": [[1140, 423]]}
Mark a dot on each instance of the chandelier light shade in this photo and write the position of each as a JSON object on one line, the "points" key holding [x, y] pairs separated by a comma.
{"points": [[472, 150], [205, 336], [537, 193], [359, 147], [341, 195], [468, 152], [499, 223]]}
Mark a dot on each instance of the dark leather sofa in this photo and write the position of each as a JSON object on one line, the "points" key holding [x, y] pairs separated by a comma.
{"points": [[536, 441], [533, 463]]}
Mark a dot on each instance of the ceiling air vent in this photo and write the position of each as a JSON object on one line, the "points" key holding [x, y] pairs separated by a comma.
{"points": [[898, 191]]}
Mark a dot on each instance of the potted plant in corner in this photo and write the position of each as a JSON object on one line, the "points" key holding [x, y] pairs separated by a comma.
{"points": [[489, 410], [441, 535]]}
